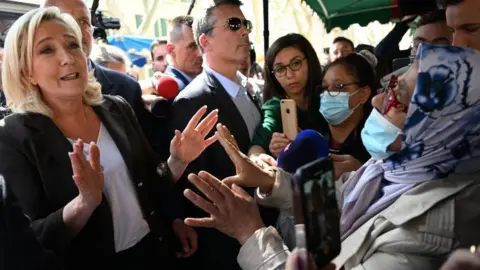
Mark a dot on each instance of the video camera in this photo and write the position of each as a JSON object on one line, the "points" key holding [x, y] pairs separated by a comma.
{"points": [[102, 23]]}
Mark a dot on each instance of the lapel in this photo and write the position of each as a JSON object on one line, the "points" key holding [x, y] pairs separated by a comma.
{"points": [[50, 151], [410, 205], [113, 120], [50, 147], [178, 75], [228, 113], [102, 78]]}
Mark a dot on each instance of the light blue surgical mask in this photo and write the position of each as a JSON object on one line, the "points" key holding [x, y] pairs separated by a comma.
{"points": [[334, 106], [378, 134]]}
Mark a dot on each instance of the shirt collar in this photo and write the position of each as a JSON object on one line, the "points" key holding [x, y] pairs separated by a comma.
{"points": [[90, 65], [230, 86], [181, 72]]}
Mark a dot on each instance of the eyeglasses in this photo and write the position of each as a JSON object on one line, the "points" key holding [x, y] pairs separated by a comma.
{"points": [[294, 65], [335, 89], [391, 100], [234, 24]]}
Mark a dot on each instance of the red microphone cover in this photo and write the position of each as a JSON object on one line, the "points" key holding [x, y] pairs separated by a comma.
{"points": [[167, 87]]}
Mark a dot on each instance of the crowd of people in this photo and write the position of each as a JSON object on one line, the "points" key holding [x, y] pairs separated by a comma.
{"points": [[90, 177]]}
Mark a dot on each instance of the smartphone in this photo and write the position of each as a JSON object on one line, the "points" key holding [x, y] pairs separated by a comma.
{"points": [[289, 118], [316, 184]]}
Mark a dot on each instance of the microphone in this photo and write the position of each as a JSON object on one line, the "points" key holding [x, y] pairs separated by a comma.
{"points": [[308, 146], [167, 87]]}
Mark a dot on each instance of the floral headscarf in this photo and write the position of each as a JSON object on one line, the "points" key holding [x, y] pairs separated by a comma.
{"points": [[440, 137]]}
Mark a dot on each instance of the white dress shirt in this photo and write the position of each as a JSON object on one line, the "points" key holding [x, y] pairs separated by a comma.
{"points": [[129, 226], [238, 92]]}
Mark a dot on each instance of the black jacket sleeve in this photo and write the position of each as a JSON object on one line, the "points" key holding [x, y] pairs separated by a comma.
{"points": [[19, 247], [24, 181], [388, 48]]}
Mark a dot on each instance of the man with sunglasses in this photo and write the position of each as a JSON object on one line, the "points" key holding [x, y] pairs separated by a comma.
{"points": [[222, 34]]}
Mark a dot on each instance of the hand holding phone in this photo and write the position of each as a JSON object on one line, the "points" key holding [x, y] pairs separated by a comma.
{"points": [[289, 118], [315, 182]]}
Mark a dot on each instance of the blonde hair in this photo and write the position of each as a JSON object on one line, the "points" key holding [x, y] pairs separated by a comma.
{"points": [[22, 96]]}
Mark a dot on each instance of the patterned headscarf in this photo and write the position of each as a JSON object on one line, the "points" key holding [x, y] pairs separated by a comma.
{"points": [[440, 137]]}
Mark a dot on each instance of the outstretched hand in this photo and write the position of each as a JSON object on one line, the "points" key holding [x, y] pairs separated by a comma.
{"points": [[87, 175], [248, 173], [232, 211], [186, 146]]}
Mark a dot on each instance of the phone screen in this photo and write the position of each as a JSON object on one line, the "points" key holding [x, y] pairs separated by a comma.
{"points": [[320, 211]]}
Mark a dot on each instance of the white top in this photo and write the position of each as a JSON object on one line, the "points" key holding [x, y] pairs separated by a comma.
{"points": [[129, 226], [238, 92]]}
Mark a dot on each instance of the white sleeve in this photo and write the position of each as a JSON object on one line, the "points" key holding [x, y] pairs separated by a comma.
{"points": [[264, 250], [281, 195]]}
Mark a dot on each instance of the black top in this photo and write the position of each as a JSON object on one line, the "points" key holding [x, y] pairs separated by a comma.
{"points": [[39, 172], [19, 247]]}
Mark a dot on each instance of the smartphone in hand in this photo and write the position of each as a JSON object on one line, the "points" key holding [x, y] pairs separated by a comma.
{"points": [[315, 183], [288, 108]]}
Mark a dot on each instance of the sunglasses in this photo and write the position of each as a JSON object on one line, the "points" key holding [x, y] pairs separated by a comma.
{"points": [[391, 99], [234, 24]]}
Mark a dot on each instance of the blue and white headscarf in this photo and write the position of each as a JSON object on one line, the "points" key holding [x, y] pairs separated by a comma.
{"points": [[440, 137]]}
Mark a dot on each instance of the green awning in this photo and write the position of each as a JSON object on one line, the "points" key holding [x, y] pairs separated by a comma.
{"points": [[343, 13]]}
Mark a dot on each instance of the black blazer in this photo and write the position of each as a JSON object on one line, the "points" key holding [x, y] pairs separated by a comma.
{"points": [[39, 172], [116, 83], [19, 247], [216, 250]]}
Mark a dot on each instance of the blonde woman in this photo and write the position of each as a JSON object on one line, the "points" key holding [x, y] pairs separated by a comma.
{"points": [[118, 210]]}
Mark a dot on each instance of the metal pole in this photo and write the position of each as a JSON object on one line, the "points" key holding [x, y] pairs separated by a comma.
{"points": [[191, 7], [266, 33]]}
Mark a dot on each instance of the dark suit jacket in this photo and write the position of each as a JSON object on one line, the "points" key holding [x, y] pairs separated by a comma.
{"points": [[116, 83], [182, 81], [19, 247], [216, 250], [39, 172]]}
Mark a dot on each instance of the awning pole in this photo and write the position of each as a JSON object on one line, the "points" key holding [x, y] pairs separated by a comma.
{"points": [[266, 33]]}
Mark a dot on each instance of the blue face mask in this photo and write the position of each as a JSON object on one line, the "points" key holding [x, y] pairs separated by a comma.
{"points": [[378, 134], [334, 106]]}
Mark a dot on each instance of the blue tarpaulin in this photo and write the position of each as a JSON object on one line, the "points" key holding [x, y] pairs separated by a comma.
{"points": [[133, 46]]}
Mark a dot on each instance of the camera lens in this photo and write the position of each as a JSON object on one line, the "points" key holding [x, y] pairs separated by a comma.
{"points": [[288, 110]]}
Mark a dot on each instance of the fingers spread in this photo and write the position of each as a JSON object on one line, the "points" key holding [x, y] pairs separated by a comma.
{"points": [[201, 202], [208, 123], [195, 119]]}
